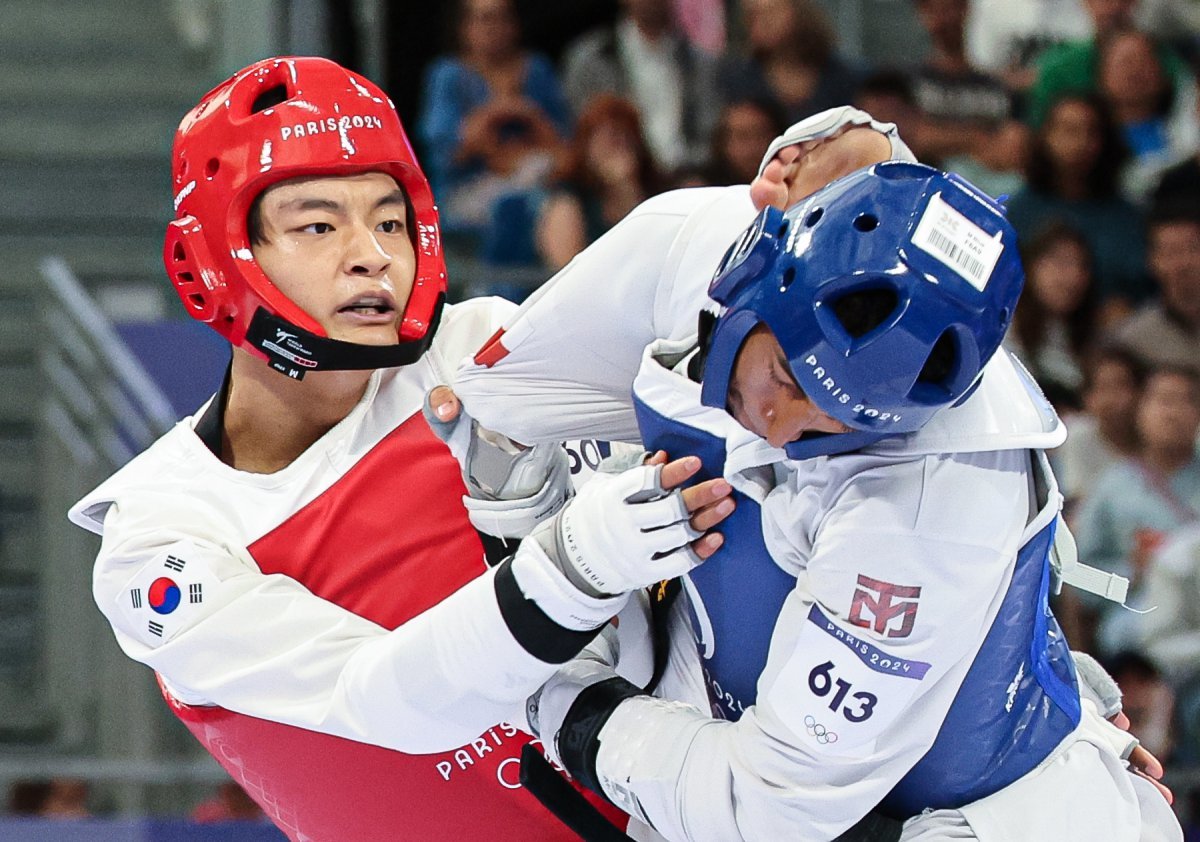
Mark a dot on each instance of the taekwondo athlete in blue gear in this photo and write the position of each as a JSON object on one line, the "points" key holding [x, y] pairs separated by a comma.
{"points": [[912, 243], [890, 585]]}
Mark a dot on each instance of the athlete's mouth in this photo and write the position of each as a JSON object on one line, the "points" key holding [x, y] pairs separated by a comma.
{"points": [[369, 305]]}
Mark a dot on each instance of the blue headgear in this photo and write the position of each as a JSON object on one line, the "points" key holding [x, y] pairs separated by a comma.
{"points": [[935, 254]]}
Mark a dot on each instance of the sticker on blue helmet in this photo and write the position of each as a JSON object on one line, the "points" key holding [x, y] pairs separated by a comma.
{"points": [[888, 291], [958, 242]]}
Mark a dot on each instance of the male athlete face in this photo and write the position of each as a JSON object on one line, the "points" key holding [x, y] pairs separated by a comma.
{"points": [[763, 394], [339, 247], [764, 397]]}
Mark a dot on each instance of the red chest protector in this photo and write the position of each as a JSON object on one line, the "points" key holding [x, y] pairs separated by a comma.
{"points": [[320, 788]]}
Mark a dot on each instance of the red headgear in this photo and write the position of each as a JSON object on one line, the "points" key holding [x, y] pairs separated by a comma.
{"points": [[278, 119]]}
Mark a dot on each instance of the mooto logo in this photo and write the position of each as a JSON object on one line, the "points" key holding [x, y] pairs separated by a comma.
{"points": [[330, 124]]}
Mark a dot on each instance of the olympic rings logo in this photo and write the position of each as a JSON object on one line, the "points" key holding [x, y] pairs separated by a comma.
{"points": [[819, 732]]}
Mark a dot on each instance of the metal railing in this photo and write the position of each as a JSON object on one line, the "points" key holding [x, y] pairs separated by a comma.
{"points": [[101, 712], [102, 400]]}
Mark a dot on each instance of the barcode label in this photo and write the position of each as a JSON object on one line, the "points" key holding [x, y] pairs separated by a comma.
{"points": [[958, 242]]}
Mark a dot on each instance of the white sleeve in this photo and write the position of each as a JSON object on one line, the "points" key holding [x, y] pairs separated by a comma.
{"points": [[831, 733], [462, 326], [266, 646], [563, 365]]}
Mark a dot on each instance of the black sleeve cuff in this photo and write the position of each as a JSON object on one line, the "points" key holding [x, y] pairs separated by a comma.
{"points": [[578, 742], [538, 635]]}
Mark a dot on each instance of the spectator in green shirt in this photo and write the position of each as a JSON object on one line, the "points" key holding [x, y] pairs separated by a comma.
{"points": [[1072, 67]]}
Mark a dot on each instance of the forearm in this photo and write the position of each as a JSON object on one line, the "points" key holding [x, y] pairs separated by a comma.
{"points": [[563, 365], [774, 773], [697, 779], [266, 646], [465, 664]]}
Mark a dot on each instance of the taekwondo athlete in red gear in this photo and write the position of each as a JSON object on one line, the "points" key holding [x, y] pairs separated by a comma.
{"points": [[768, 770], [295, 561]]}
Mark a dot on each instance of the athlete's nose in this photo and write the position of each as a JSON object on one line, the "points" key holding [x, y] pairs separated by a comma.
{"points": [[785, 419], [364, 254]]}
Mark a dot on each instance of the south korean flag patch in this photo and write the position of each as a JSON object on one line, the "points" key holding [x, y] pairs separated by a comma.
{"points": [[167, 594]]}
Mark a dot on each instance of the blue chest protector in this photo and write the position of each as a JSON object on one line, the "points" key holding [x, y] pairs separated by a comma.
{"points": [[1017, 702], [736, 598]]}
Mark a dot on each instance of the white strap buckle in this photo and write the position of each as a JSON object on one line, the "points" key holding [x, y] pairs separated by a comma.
{"points": [[1068, 569]]}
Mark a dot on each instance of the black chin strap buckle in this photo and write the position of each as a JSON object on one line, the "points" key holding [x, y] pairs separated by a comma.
{"points": [[283, 344], [294, 351]]}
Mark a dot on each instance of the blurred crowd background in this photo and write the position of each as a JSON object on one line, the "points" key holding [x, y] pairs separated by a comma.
{"points": [[540, 125]]}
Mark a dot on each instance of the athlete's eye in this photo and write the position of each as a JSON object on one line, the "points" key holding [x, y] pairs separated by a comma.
{"points": [[317, 228], [392, 226]]}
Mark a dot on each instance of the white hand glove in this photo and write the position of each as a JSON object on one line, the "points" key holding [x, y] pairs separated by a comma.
{"points": [[621, 532], [510, 487], [830, 122], [547, 708]]}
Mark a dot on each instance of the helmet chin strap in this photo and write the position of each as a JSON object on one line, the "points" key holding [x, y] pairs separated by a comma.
{"points": [[294, 351]]}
